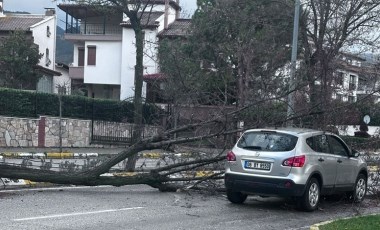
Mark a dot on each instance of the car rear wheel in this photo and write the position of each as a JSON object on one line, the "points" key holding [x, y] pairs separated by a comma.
{"points": [[310, 199], [236, 197], [360, 189]]}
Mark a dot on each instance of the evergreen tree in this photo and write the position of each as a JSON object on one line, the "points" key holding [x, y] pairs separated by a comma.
{"points": [[18, 58]]}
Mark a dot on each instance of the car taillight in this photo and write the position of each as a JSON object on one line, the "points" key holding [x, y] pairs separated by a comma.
{"points": [[298, 161], [231, 156]]}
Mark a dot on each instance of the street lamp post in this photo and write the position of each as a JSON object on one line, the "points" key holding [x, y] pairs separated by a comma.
{"points": [[290, 112]]}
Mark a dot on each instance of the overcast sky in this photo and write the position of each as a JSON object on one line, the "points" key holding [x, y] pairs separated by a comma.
{"points": [[37, 6]]}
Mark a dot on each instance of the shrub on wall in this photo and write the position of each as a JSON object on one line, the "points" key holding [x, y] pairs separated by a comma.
{"points": [[18, 103]]}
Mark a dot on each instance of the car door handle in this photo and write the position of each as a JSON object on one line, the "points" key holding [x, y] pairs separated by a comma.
{"points": [[321, 159], [340, 161]]}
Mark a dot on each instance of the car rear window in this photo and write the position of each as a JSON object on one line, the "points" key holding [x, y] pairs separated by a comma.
{"points": [[267, 141]]}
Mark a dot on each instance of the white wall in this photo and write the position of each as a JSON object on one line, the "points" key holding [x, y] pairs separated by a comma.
{"points": [[171, 19], [108, 62], [128, 60], [349, 130], [75, 54], [63, 80], [44, 42]]}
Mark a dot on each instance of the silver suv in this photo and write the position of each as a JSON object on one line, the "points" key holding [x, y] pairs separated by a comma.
{"points": [[299, 163]]}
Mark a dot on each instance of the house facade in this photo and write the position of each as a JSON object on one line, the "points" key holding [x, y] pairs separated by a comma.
{"points": [[104, 46], [42, 29], [355, 78]]}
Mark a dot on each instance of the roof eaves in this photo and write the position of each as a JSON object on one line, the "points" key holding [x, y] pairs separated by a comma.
{"points": [[47, 71]]}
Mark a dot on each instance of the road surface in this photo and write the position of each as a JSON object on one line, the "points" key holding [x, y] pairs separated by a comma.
{"points": [[142, 207]]}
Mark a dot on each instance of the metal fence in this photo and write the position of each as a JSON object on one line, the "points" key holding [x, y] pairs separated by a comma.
{"points": [[106, 132]]}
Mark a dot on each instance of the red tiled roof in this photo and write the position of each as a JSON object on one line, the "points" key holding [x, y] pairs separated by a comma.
{"points": [[147, 19], [10, 23], [155, 76], [179, 28]]}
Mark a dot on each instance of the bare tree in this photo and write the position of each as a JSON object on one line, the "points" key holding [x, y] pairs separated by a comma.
{"points": [[329, 27]]}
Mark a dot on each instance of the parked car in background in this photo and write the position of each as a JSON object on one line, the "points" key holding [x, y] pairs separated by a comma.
{"points": [[290, 162]]}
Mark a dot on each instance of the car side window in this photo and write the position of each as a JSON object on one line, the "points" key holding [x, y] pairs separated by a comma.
{"points": [[337, 147], [319, 143], [310, 143]]}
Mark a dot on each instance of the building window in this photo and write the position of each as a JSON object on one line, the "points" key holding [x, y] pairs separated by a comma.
{"points": [[47, 59], [91, 55], [81, 56], [48, 33], [352, 85]]}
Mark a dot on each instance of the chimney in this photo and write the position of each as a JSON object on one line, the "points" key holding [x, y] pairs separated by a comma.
{"points": [[177, 12], [1, 8], [49, 11], [166, 16]]}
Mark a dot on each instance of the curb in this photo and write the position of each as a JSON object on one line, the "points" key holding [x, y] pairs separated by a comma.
{"points": [[71, 155], [316, 226], [46, 155], [8, 184]]}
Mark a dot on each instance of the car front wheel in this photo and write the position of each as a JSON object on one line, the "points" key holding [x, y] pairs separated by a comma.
{"points": [[236, 197], [360, 189]]}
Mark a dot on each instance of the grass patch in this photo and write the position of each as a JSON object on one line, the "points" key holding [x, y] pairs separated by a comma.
{"points": [[357, 223]]}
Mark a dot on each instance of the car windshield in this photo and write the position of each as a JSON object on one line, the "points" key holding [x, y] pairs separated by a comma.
{"points": [[267, 141]]}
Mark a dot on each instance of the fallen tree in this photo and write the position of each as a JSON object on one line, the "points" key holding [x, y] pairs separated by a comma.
{"points": [[157, 178]]}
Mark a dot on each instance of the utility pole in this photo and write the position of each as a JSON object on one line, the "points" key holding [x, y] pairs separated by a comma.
{"points": [[293, 64]]}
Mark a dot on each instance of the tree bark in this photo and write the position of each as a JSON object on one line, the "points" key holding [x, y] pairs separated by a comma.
{"points": [[137, 101]]}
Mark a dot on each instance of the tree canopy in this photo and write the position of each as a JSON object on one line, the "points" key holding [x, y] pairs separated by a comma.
{"points": [[233, 52], [18, 58]]}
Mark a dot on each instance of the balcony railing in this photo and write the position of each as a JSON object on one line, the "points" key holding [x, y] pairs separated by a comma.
{"points": [[94, 28]]}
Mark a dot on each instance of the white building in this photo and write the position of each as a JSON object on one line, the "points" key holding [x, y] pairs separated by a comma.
{"points": [[355, 79], [42, 28], [104, 46]]}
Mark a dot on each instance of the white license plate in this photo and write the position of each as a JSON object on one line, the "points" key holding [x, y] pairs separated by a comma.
{"points": [[257, 165]]}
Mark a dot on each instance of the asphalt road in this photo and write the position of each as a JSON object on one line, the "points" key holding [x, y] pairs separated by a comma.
{"points": [[142, 207]]}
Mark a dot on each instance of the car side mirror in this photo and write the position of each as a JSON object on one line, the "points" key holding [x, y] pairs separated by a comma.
{"points": [[355, 153]]}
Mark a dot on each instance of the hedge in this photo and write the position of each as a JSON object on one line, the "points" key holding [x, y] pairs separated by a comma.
{"points": [[19, 103]]}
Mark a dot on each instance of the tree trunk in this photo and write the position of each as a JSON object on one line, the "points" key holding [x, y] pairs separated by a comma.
{"points": [[137, 101]]}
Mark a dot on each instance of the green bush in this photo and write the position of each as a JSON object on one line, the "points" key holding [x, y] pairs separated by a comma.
{"points": [[18, 103]]}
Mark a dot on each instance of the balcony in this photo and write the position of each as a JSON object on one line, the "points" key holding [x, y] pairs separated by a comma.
{"points": [[94, 28], [85, 20], [76, 72], [93, 32]]}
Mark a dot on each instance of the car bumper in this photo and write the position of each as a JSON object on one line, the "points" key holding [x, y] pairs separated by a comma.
{"points": [[263, 186]]}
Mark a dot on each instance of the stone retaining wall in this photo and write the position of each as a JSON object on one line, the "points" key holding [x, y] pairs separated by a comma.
{"points": [[18, 132], [45, 132]]}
